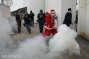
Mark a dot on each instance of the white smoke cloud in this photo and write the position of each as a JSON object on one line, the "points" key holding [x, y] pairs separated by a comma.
{"points": [[5, 27], [13, 25], [8, 2], [61, 46], [5, 39], [64, 41], [32, 48]]}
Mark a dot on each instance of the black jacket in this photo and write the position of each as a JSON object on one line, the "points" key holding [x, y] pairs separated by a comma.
{"points": [[32, 16], [68, 18], [27, 19], [17, 16], [41, 18]]}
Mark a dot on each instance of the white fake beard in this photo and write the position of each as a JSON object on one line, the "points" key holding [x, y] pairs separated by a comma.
{"points": [[52, 14]]}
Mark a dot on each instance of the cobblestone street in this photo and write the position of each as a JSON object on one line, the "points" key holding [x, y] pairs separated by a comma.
{"points": [[24, 34], [84, 44]]}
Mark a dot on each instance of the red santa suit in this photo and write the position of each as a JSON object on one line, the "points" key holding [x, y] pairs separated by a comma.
{"points": [[50, 24]]}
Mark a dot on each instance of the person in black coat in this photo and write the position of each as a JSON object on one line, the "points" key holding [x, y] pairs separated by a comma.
{"points": [[32, 18], [68, 18], [76, 21], [18, 20], [27, 22], [41, 20]]}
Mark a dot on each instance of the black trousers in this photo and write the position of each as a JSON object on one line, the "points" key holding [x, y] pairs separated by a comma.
{"points": [[41, 26], [32, 23], [19, 26], [68, 24]]}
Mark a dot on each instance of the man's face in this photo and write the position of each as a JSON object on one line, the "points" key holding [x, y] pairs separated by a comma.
{"points": [[41, 12]]}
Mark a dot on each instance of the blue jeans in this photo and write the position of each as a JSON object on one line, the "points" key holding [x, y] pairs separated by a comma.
{"points": [[28, 27]]}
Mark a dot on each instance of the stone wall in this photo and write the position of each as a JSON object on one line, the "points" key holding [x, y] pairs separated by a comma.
{"points": [[83, 22]]}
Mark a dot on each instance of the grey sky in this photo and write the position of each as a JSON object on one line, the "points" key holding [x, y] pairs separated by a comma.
{"points": [[16, 4]]}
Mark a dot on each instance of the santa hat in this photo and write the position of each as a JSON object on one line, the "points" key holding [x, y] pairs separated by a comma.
{"points": [[52, 11]]}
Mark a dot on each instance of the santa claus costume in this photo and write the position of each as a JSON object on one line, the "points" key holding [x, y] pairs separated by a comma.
{"points": [[50, 24]]}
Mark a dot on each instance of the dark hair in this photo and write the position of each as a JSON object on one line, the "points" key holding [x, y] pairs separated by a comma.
{"points": [[69, 9], [31, 11], [41, 10]]}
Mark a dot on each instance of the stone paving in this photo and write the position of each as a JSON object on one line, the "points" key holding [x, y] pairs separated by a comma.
{"points": [[84, 44], [24, 34]]}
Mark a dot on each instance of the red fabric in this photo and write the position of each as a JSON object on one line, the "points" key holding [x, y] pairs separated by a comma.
{"points": [[48, 32], [50, 23], [52, 11], [48, 20]]}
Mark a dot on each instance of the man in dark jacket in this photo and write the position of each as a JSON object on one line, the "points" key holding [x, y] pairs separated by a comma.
{"points": [[76, 21], [18, 20], [41, 20], [32, 18], [68, 18], [27, 22]]}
